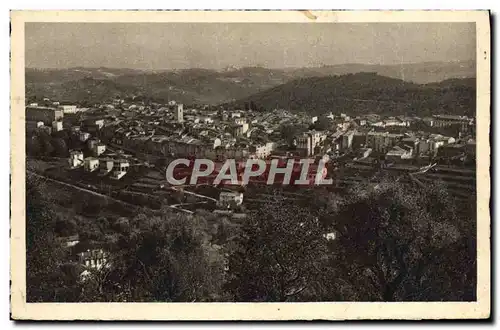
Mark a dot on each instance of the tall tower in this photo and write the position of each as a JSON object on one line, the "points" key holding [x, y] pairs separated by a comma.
{"points": [[180, 113]]}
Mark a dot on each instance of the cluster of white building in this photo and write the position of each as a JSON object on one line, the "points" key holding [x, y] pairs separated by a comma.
{"points": [[117, 168]]}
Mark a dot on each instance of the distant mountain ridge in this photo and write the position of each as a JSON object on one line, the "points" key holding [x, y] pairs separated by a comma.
{"points": [[206, 86]]}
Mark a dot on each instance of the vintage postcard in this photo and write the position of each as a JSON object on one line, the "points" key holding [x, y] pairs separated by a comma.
{"points": [[250, 165]]}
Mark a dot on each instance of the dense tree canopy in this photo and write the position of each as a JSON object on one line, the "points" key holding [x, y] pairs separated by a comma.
{"points": [[45, 278], [161, 258], [279, 255], [381, 242], [392, 239]]}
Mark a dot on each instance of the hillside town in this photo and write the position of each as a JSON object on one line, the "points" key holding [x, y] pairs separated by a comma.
{"points": [[120, 150], [156, 132]]}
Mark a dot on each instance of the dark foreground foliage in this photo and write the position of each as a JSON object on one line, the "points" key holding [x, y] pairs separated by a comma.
{"points": [[393, 242]]}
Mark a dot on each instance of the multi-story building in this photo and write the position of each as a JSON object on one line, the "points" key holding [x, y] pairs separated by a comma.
{"points": [[239, 130], [382, 141], [432, 143], [98, 149], [449, 120], [44, 114], [308, 141], [179, 114], [70, 109], [263, 150], [347, 140]]}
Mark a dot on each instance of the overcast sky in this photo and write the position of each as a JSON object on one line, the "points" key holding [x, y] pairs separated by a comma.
{"points": [[216, 46]]}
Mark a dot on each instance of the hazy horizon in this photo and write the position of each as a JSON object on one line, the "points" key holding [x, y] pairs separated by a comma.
{"points": [[241, 67], [216, 46]]}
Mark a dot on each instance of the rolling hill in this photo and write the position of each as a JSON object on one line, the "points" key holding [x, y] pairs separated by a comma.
{"points": [[186, 86], [367, 93], [202, 86]]}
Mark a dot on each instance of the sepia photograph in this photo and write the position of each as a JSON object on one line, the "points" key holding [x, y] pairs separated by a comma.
{"points": [[338, 161]]}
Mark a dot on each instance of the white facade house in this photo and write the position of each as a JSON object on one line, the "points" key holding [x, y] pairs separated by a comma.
{"points": [[75, 159], [120, 168], [68, 108], [91, 164], [98, 149]]}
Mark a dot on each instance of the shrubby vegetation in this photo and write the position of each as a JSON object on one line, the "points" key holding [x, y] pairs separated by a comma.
{"points": [[393, 242]]}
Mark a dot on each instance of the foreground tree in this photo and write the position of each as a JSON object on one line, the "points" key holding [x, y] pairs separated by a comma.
{"points": [[46, 280], [278, 255], [161, 258], [397, 243]]}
